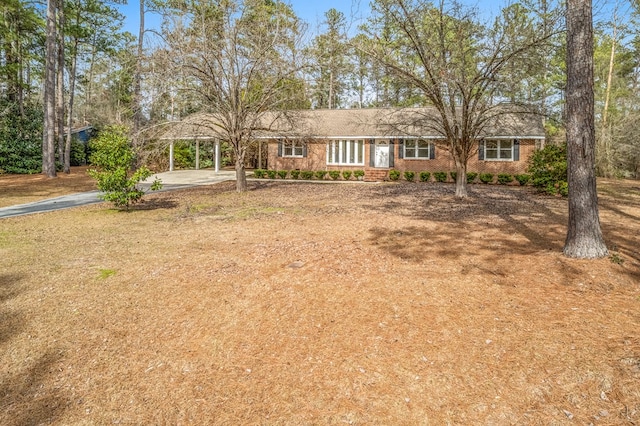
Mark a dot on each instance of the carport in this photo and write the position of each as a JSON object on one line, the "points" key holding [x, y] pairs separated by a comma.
{"points": [[197, 128]]}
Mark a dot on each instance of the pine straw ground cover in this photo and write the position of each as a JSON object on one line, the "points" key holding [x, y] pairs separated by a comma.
{"points": [[320, 304], [20, 189]]}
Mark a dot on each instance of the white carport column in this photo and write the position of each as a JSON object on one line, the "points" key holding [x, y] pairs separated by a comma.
{"points": [[217, 155], [197, 155], [171, 156]]}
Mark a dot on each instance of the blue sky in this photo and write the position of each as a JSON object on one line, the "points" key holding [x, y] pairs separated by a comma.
{"points": [[311, 11]]}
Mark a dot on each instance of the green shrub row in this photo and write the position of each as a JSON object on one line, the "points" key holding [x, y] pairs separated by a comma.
{"points": [[308, 174], [502, 178], [394, 175]]}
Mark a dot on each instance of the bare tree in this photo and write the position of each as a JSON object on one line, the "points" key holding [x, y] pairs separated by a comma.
{"points": [[584, 236], [242, 61], [454, 61]]}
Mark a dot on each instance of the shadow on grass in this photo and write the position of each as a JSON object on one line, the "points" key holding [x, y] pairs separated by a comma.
{"points": [[11, 323], [28, 397], [492, 220]]}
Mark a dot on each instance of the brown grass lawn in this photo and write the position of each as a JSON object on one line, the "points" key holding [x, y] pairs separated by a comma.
{"points": [[20, 189], [321, 304]]}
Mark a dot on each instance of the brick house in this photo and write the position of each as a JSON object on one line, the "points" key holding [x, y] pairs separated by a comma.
{"points": [[378, 140]]}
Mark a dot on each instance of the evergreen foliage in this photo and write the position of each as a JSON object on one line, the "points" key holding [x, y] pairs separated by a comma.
{"points": [[548, 169], [113, 157], [20, 138]]}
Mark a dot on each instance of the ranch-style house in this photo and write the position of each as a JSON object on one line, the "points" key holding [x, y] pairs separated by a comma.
{"points": [[375, 140], [378, 140]]}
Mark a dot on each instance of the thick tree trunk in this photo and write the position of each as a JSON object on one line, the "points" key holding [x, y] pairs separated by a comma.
{"points": [[461, 178], [48, 136], [241, 175], [584, 236]]}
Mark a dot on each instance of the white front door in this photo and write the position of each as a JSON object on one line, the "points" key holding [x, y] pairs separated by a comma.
{"points": [[382, 154]]}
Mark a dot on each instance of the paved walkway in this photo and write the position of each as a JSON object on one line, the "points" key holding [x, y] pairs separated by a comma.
{"points": [[170, 181]]}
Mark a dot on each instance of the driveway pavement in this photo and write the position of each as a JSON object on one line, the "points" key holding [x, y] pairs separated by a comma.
{"points": [[170, 181]]}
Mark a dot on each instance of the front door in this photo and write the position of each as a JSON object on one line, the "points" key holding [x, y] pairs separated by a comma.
{"points": [[382, 154]]}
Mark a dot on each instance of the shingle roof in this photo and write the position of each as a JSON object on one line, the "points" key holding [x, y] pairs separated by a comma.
{"points": [[363, 123]]}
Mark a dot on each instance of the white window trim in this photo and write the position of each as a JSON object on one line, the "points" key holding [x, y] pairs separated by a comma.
{"points": [[294, 143], [340, 145], [404, 149], [498, 140]]}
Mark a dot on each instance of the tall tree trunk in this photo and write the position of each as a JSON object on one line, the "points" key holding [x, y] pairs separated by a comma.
{"points": [[60, 83], [584, 236], [137, 86], [72, 88], [90, 78], [48, 135]]}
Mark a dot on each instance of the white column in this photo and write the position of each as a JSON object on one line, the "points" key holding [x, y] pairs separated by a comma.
{"points": [[217, 155], [171, 156], [197, 155]]}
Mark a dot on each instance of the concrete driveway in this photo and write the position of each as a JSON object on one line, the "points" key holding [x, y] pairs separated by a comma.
{"points": [[177, 179]]}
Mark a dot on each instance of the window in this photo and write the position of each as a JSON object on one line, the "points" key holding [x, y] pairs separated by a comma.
{"points": [[292, 148], [346, 152], [417, 148], [498, 149]]}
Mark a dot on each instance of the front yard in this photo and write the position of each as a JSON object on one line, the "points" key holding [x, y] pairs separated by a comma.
{"points": [[299, 303]]}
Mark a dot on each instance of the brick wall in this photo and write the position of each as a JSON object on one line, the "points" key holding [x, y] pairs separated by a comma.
{"points": [[316, 160]]}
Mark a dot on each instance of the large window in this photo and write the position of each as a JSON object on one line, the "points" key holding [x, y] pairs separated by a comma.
{"points": [[417, 148], [498, 149], [346, 152], [292, 148]]}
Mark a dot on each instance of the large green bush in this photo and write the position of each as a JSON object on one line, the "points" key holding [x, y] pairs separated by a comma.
{"points": [[113, 157], [548, 169], [20, 138]]}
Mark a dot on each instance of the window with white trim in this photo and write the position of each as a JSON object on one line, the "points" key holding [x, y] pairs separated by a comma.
{"points": [[346, 152], [498, 149], [417, 148], [292, 148]]}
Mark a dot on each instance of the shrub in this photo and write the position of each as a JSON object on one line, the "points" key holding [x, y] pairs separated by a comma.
{"points": [[294, 174], [283, 174], [504, 178], [394, 174], [346, 174], [358, 174], [471, 176], [271, 174], [258, 173], [320, 174], [548, 169], [306, 174], [334, 174], [523, 179], [20, 136], [486, 177], [424, 176], [409, 176], [453, 175], [113, 157], [440, 176]]}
